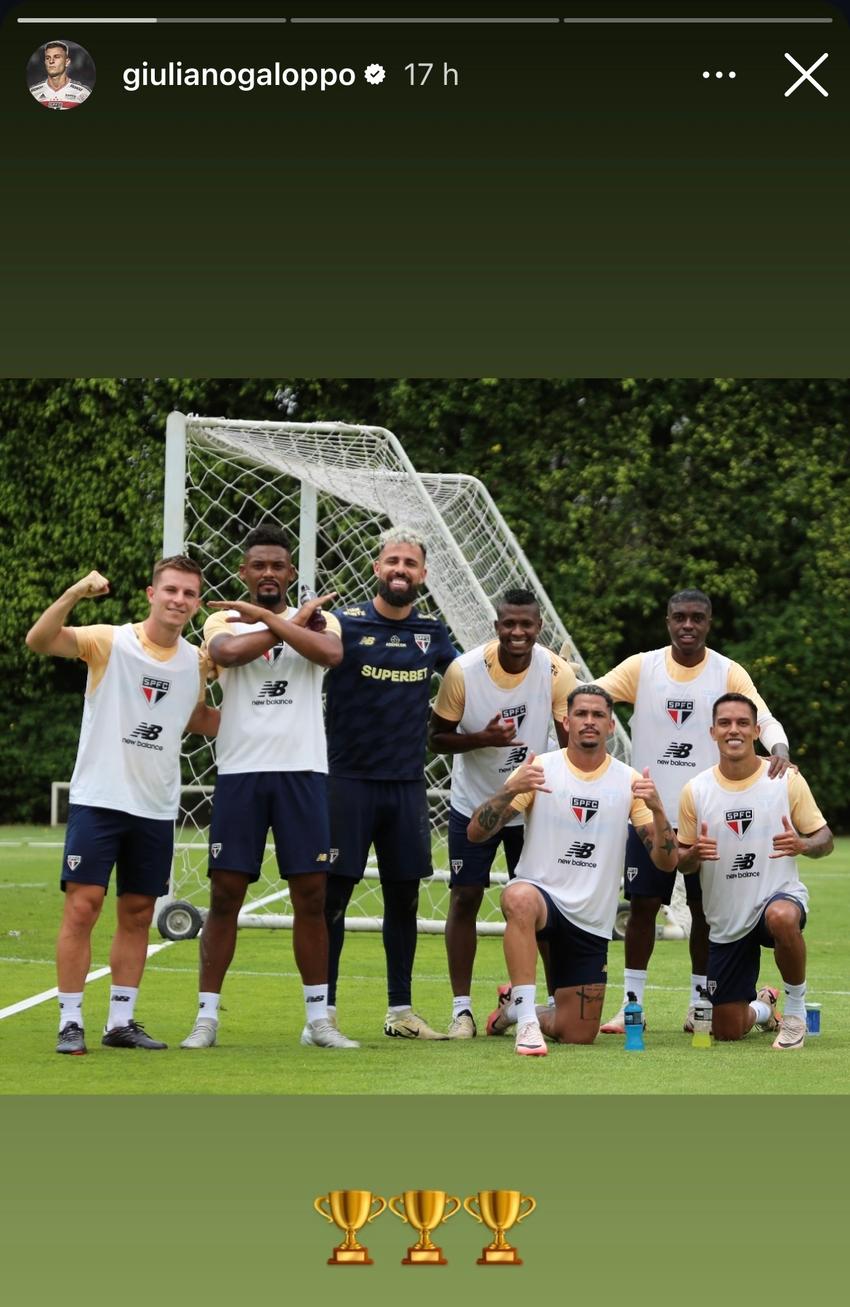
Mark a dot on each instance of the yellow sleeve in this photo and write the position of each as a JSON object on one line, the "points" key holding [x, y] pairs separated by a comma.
{"points": [[333, 627], [216, 624], [639, 814], [522, 802], [622, 681], [564, 681], [805, 813], [687, 816], [451, 696], [739, 681], [94, 645]]}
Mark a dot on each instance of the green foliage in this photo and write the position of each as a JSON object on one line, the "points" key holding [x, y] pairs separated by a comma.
{"points": [[619, 491]]}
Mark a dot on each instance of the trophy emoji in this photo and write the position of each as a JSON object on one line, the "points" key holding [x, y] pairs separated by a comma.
{"points": [[499, 1209], [350, 1209], [424, 1209]]}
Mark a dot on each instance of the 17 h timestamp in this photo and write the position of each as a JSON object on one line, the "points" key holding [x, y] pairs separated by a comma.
{"points": [[421, 73]]}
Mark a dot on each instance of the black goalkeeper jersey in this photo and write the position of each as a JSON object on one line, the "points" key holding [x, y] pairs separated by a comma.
{"points": [[378, 698]]}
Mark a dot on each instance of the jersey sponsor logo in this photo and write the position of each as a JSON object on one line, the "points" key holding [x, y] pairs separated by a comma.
{"points": [[272, 655], [395, 643], [367, 639], [73, 860], [743, 861], [678, 749], [394, 673], [423, 642], [457, 866], [154, 689], [147, 731], [631, 874], [514, 758], [679, 710], [739, 821], [354, 612], [578, 850], [516, 715], [272, 689], [215, 850], [584, 810]]}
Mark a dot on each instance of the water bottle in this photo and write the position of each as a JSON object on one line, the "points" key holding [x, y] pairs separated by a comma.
{"points": [[633, 1014], [702, 1021], [317, 621]]}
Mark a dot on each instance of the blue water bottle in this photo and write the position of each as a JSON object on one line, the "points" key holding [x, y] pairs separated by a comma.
{"points": [[633, 1014]]}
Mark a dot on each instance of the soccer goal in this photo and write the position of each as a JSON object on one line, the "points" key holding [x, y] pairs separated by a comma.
{"points": [[334, 487]]}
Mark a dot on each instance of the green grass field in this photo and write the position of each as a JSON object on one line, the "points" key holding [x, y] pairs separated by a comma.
{"points": [[259, 1053]]}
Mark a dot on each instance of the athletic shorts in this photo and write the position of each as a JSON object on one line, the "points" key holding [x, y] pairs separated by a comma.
{"points": [[470, 863], [575, 956], [392, 816], [733, 969], [98, 839], [293, 805], [643, 880]]}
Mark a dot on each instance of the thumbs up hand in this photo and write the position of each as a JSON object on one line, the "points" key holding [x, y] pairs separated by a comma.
{"points": [[787, 844]]}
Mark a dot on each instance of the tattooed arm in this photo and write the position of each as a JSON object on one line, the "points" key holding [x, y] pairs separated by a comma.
{"points": [[495, 812]]}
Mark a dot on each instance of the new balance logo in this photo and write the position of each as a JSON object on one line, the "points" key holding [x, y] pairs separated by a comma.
{"points": [[272, 689], [678, 750], [146, 731], [514, 758], [582, 851], [154, 689], [315, 998], [73, 861], [743, 861], [679, 710], [120, 998], [367, 639], [739, 821], [584, 810]]}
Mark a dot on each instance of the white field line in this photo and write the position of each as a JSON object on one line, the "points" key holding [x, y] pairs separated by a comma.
{"points": [[26, 884], [47, 994]]}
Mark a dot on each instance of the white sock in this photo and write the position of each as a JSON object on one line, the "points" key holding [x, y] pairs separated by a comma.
{"points": [[697, 983], [762, 1011], [396, 1008], [634, 982], [208, 1005], [122, 1005], [316, 1002], [70, 1009], [523, 999], [795, 1000], [461, 1003]]}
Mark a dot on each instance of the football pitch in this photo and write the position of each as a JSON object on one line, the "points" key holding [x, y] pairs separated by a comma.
{"points": [[262, 1013]]}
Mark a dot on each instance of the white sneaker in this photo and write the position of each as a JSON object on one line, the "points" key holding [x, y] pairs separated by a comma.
{"points": [[530, 1041], [408, 1025], [202, 1034], [770, 997], [792, 1033], [617, 1024], [323, 1033], [463, 1026]]}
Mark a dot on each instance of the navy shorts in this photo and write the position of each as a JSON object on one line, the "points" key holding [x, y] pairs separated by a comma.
{"points": [[575, 956], [643, 880], [98, 839], [293, 805], [392, 816], [733, 969], [470, 863]]}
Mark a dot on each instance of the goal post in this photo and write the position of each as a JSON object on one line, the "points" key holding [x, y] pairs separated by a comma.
{"points": [[333, 487]]}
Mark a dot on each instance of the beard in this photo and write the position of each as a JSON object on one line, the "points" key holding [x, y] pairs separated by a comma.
{"points": [[397, 598], [269, 598]]}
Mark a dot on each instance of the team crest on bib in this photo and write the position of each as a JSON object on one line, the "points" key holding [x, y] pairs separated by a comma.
{"points": [[631, 873], [679, 710], [423, 642], [739, 821], [457, 866], [73, 860], [154, 689], [712, 987], [333, 854], [584, 810], [272, 655], [215, 850], [515, 715]]}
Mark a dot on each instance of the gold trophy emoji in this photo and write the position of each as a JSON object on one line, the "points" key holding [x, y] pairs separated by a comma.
{"points": [[350, 1209], [424, 1209], [499, 1209]]}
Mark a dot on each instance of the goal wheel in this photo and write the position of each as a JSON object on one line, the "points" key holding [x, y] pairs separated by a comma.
{"points": [[179, 920], [619, 931]]}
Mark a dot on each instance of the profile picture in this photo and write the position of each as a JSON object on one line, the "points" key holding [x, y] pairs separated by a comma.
{"points": [[61, 75]]}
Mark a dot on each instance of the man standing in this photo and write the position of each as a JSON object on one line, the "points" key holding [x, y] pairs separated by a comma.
{"points": [[578, 803], [377, 719], [672, 691], [59, 90], [495, 705], [272, 764], [742, 831], [145, 688]]}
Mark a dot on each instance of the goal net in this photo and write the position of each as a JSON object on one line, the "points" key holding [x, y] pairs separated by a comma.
{"points": [[333, 488]]}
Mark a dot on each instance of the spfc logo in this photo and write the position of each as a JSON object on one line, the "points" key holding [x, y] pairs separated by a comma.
{"points": [[712, 987], [272, 655], [333, 854], [679, 710], [154, 689], [423, 642], [73, 860], [515, 715], [215, 850], [739, 821], [457, 866], [631, 873], [584, 810]]}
